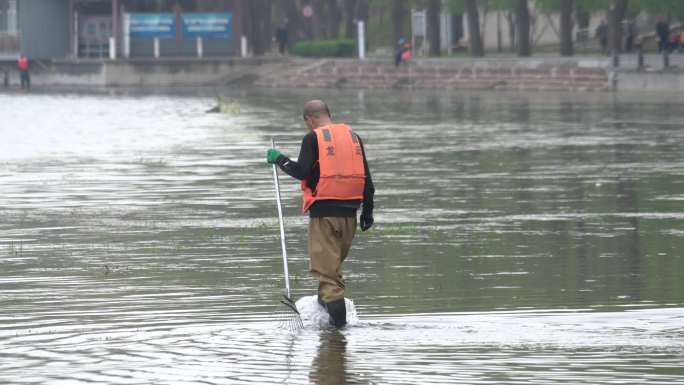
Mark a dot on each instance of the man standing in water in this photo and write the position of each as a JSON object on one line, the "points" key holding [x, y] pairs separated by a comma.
{"points": [[336, 182]]}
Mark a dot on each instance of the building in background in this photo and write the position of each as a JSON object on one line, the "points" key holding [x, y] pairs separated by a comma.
{"points": [[9, 29], [61, 29], [143, 28]]}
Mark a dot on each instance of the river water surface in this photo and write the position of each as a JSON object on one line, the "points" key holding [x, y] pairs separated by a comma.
{"points": [[519, 238]]}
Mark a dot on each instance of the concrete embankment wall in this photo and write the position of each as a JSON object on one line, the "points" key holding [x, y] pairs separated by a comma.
{"points": [[144, 72], [504, 74], [547, 73], [668, 81]]}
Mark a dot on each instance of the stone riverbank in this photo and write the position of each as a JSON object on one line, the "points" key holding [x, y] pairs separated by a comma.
{"points": [[509, 73], [495, 74]]}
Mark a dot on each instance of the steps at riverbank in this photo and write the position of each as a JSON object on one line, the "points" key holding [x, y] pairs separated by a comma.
{"points": [[447, 74]]}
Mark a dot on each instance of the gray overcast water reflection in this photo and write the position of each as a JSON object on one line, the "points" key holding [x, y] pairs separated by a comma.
{"points": [[520, 238]]}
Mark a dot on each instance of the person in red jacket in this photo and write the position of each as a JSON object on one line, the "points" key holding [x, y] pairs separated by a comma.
{"points": [[336, 182], [23, 67], [403, 54]]}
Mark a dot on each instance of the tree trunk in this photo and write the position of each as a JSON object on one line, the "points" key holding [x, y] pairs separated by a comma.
{"points": [[259, 28], [306, 22], [398, 20], [293, 22], [433, 11], [523, 22], [254, 27], [318, 21], [241, 13], [350, 19], [510, 19], [616, 14], [499, 42], [267, 25], [362, 13], [476, 48], [566, 48], [362, 10], [334, 19], [456, 29]]}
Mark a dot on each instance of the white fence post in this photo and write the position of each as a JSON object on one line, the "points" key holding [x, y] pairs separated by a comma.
{"points": [[200, 47], [156, 48], [243, 46], [112, 48], [362, 40]]}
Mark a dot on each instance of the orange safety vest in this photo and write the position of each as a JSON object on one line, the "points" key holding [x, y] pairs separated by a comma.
{"points": [[340, 161], [23, 63]]}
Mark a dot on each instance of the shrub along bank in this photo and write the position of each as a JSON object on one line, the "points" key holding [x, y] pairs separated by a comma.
{"points": [[325, 48]]}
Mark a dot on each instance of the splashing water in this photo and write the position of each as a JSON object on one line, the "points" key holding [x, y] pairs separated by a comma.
{"points": [[315, 316]]}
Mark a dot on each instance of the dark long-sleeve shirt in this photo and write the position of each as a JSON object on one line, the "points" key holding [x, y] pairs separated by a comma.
{"points": [[306, 169]]}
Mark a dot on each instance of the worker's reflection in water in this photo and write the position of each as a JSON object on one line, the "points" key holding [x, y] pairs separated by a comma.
{"points": [[329, 367]]}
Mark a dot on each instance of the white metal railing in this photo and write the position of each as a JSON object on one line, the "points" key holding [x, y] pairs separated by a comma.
{"points": [[650, 61]]}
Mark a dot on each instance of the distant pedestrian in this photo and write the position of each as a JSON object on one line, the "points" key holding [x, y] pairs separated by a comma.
{"points": [[281, 36], [407, 53], [602, 35], [675, 43], [23, 67], [403, 53], [663, 34]]}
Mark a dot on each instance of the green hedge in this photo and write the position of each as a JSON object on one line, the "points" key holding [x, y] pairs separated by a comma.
{"points": [[325, 48]]}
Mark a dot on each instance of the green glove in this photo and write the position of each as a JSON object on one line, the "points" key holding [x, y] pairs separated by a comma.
{"points": [[272, 155]]}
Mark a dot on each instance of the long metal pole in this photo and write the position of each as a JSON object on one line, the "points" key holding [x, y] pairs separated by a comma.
{"points": [[282, 225]]}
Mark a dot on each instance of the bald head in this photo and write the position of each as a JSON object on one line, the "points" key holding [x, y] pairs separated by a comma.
{"points": [[316, 114], [316, 109]]}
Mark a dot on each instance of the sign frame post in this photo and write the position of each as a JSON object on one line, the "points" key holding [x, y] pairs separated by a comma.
{"points": [[126, 35], [75, 41]]}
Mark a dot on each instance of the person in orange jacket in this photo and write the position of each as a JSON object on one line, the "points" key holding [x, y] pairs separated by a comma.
{"points": [[336, 182], [23, 67], [403, 53]]}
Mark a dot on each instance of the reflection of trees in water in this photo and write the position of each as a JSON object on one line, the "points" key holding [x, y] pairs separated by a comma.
{"points": [[584, 255], [329, 367], [434, 106], [522, 191], [568, 111], [521, 110], [627, 201], [474, 107]]}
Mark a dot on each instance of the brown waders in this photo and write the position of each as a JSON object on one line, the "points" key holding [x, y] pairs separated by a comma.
{"points": [[330, 239]]}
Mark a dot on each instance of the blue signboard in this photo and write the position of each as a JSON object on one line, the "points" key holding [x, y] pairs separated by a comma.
{"points": [[151, 25], [207, 25]]}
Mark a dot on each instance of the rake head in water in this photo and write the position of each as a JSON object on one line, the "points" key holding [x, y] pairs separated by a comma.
{"points": [[290, 318]]}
